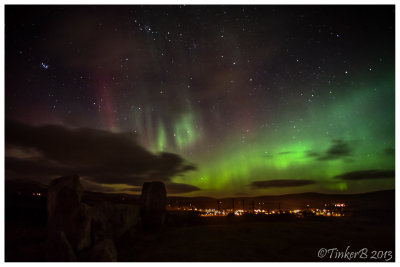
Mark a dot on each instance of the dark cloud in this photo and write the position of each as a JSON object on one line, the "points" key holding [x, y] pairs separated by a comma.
{"points": [[134, 190], [172, 188], [312, 154], [177, 188], [390, 151], [366, 175], [34, 167], [281, 183], [96, 187], [285, 152], [73, 119], [339, 150], [102, 156], [127, 179]]}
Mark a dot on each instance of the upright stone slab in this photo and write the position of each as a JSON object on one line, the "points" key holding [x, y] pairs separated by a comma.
{"points": [[111, 221], [153, 204], [66, 213], [58, 248], [103, 251]]}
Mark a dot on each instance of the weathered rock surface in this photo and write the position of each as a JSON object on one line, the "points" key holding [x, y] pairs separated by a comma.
{"points": [[104, 251], [111, 221], [66, 213], [64, 192], [153, 204], [83, 229], [73, 227], [58, 248]]}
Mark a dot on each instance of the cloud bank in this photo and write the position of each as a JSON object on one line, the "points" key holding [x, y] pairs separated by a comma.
{"points": [[101, 156], [366, 175]]}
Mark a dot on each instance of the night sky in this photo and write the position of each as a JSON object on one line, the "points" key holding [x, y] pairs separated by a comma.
{"points": [[212, 100]]}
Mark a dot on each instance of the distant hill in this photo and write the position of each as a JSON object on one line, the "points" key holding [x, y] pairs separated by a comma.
{"points": [[364, 201], [23, 186]]}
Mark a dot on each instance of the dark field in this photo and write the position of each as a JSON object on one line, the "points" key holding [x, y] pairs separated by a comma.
{"points": [[279, 240], [240, 239]]}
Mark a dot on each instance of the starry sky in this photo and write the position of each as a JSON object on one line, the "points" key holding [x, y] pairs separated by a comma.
{"points": [[212, 100]]}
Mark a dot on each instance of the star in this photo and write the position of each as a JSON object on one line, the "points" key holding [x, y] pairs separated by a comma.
{"points": [[129, 69], [44, 66]]}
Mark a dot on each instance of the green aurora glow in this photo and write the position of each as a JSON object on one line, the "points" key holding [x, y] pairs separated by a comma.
{"points": [[363, 117], [243, 93]]}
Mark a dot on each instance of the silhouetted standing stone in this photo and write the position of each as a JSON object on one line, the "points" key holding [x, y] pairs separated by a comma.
{"points": [[104, 251], [66, 213], [153, 204], [58, 248], [111, 221]]}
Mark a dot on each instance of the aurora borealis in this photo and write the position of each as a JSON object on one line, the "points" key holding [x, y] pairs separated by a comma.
{"points": [[237, 98]]}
